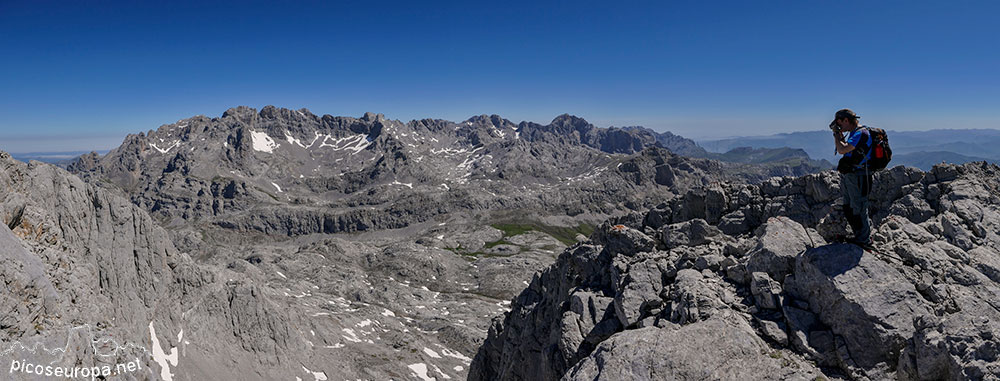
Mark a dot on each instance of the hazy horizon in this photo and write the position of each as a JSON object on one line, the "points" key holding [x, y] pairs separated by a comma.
{"points": [[83, 76], [29, 144]]}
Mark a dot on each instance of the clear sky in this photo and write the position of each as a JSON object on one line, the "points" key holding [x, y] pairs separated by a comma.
{"points": [[83, 74]]}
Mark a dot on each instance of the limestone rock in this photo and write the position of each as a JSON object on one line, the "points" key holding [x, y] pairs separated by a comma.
{"points": [[717, 348], [781, 241], [865, 301]]}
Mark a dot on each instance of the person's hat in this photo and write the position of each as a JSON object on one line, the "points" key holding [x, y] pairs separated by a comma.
{"points": [[846, 113]]}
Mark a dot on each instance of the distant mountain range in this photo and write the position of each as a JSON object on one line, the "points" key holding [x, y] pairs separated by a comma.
{"points": [[62, 158], [921, 149], [811, 150], [279, 171]]}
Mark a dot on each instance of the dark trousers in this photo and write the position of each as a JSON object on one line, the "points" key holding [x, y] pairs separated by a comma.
{"points": [[856, 186]]}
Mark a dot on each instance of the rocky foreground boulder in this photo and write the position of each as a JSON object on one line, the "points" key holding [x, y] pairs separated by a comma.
{"points": [[743, 282]]}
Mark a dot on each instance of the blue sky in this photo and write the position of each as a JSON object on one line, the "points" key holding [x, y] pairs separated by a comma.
{"points": [[82, 75]]}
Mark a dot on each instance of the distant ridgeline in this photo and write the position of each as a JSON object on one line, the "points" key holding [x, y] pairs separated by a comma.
{"points": [[921, 149], [60, 158]]}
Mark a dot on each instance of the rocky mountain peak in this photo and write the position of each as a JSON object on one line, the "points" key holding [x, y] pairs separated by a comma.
{"points": [[372, 117], [494, 121], [567, 123], [240, 112], [272, 112]]}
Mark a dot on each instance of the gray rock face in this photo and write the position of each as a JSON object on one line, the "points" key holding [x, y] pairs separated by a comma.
{"points": [[864, 300], [781, 241], [524, 349], [82, 263], [923, 306], [715, 349], [766, 291], [28, 295]]}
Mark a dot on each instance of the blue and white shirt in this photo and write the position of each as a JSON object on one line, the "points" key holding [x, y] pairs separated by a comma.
{"points": [[862, 142]]}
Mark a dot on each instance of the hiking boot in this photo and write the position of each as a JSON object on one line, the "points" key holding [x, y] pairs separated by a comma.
{"points": [[841, 238]]}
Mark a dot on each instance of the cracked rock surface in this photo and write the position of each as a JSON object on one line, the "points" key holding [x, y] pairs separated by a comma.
{"points": [[741, 283]]}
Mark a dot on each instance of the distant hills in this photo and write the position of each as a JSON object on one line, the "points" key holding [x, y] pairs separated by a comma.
{"points": [[921, 149], [62, 158]]}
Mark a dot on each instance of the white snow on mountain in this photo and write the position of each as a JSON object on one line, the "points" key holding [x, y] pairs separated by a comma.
{"points": [[165, 150], [262, 142]]}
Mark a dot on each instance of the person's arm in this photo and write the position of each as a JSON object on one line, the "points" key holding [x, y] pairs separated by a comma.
{"points": [[842, 146]]}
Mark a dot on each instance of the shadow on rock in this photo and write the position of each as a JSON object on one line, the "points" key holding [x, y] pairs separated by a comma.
{"points": [[835, 259]]}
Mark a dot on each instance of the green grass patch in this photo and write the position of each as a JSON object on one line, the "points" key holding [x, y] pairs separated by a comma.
{"points": [[510, 230], [501, 241], [566, 235]]}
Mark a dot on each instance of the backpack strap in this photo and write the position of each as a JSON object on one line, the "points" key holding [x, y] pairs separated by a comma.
{"points": [[861, 151]]}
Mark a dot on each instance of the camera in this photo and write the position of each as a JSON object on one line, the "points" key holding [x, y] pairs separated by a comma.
{"points": [[834, 126]]}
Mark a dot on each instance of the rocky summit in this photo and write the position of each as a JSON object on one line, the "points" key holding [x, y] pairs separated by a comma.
{"points": [[743, 282], [278, 244]]}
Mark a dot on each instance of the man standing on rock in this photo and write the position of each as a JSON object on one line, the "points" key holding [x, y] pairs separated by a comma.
{"points": [[855, 178]]}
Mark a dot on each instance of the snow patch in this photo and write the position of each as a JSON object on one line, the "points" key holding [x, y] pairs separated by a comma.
{"points": [[165, 150], [408, 185], [292, 140], [450, 353], [276, 186], [448, 151], [262, 142], [165, 360], [388, 313], [420, 370], [430, 352], [443, 375], [354, 143], [353, 336], [320, 376]]}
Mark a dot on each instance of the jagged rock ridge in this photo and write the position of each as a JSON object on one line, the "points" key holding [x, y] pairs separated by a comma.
{"points": [[289, 172], [739, 282]]}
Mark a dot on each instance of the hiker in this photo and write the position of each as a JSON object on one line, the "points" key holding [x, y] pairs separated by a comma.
{"points": [[855, 178]]}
